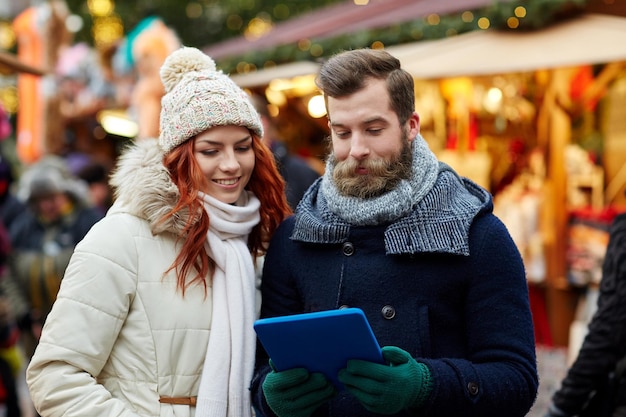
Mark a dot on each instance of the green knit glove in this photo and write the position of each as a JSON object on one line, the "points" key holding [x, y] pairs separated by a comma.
{"points": [[296, 392], [388, 389]]}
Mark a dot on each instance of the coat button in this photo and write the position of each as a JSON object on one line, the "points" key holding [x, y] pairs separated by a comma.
{"points": [[388, 312], [472, 387], [348, 249]]}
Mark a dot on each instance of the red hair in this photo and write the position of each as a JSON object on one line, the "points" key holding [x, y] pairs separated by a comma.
{"points": [[267, 185]]}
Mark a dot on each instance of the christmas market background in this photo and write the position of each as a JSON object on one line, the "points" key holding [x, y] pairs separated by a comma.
{"points": [[524, 97]]}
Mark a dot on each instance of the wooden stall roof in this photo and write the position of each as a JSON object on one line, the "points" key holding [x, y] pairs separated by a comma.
{"points": [[587, 39], [341, 18]]}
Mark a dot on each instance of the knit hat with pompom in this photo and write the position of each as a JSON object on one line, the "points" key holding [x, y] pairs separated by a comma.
{"points": [[198, 97]]}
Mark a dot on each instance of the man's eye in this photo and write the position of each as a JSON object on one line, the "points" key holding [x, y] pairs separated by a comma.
{"points": [[375, 131]]}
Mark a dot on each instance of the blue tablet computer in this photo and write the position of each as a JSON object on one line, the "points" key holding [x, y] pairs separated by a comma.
{"points": [[322, 341]]}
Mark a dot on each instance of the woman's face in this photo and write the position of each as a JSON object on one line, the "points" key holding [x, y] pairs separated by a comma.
{"points": [[226, 158]]}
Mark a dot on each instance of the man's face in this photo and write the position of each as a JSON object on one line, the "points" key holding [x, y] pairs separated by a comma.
{"points": [[51, 207], [370, 150]]}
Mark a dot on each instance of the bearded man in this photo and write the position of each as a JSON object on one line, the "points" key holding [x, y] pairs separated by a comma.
{"points": [[393, 231]]}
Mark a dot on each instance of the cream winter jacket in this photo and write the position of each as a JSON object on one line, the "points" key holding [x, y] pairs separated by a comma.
{"points": [[120, 335]]}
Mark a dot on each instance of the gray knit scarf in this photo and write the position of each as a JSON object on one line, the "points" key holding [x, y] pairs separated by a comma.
{"points": [[430, 212], [392, 205]]}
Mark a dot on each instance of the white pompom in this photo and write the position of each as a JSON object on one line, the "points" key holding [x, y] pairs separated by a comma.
{"points": [[181, 62]]}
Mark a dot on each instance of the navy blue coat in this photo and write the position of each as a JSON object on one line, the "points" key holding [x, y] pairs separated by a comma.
{"points": [[467, 317]]}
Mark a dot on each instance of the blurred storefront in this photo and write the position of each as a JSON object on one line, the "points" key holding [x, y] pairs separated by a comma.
{"points": [[55, 111], [91, 100], [533, 116]]}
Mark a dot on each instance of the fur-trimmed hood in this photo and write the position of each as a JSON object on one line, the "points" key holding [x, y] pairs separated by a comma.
{"points": [[143, 187]]}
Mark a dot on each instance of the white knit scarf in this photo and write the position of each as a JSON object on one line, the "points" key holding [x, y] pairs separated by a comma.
{"points": [[229, 362]]}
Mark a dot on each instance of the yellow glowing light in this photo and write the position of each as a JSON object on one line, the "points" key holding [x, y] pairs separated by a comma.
{"points": [[304, 44], [245, 67], [378, 45], [299, 86], [520, 11], [484, 23], [433, 19], [275, 98], [361, 2], [257, 28], [117, 122], [316, 107], [9, 100], [512, 22], [273, 110], [100, 7], [7, 36], [280, 84], [269, 64], [107, 30], [493, 100], [303, 84], [456, 88], [316, 50], [467, 17]]}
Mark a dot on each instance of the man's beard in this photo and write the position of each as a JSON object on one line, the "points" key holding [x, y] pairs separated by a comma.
{"points": [[382, 175]]}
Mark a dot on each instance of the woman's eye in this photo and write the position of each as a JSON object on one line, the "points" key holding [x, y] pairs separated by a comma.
{"points": [[209, 152], [244, 148]]}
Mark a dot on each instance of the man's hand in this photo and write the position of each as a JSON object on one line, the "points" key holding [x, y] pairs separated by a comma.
{"points": [[296, 392], [401, 384]]}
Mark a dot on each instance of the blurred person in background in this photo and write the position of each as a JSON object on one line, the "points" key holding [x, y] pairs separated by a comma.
{"points": [[96, 175], [11, 361], [58, 214], [298, 174], [595, 382], [10, 206], [11, 352]]}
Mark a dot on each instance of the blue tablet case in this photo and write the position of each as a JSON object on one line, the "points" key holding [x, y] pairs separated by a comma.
{"points": [[322, 341]]}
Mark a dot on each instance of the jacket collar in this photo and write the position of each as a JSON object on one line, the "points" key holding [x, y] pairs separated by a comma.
{"points": [[142, 187]]}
